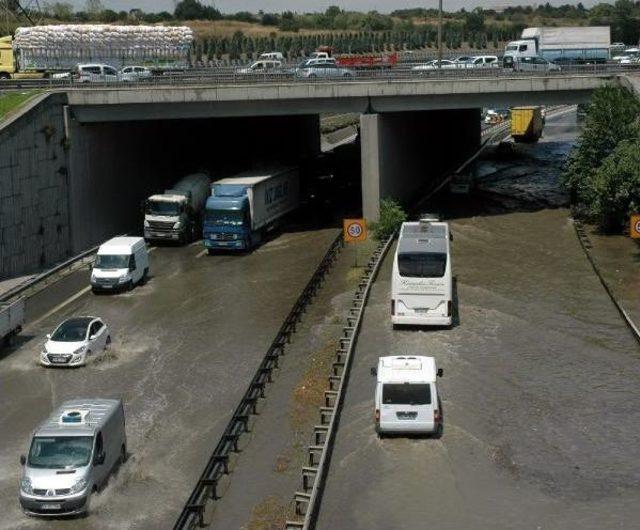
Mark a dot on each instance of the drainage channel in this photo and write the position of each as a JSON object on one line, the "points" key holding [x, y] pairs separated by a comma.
{"points": [[307, 501], [206, 489]]}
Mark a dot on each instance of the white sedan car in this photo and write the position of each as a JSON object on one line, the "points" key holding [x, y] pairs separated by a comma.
{"points": [[74, 341], [435, 65]]}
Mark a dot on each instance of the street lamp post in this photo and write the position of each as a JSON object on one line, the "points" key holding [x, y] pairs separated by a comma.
{"points": [[439, 33]]}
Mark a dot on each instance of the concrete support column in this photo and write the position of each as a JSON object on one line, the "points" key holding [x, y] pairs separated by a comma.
{"points": [[403, 153]]}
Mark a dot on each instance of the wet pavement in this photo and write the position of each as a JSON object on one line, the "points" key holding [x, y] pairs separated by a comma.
{"points": [[540, 394], [185, 347]]}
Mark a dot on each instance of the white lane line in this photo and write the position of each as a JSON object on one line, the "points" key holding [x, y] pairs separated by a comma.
{"points": [[199, 255], [60, 306]]}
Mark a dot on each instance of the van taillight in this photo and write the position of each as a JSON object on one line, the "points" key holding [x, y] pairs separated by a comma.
{"points": [[377, 417], [393, 307], [449, 308], [436, 417]]}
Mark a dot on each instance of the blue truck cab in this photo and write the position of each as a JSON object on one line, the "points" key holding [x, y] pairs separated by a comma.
{"points": [[227, 220], [243, 208]]}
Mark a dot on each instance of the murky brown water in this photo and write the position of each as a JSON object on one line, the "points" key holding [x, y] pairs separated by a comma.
{"points": [[540, 394]]}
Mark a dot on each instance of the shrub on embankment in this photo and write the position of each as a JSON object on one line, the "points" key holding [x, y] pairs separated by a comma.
{"points": [[603, 171]]}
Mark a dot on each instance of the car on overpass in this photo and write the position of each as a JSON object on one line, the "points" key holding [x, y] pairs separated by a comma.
{"points": [[324, 70], [435, 64], [535, 64], [75, 341], [267, 68], [135, 73]]}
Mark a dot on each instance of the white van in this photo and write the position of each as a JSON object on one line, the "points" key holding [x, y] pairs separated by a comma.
{"points": [[71, 455], [406, 399], [272, 56], [121, 263], [421, 282], [95, 73]]}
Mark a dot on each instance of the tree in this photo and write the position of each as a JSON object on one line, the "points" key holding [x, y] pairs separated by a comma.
{"points": [[193, 10], [60, 10], [94, 8]]}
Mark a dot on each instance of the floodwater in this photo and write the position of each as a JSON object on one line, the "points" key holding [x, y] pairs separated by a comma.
{"points": [[540, 393]]}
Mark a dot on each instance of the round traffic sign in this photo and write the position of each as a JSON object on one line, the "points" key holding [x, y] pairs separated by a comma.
{"points": [[355, 230], [637, 226]]}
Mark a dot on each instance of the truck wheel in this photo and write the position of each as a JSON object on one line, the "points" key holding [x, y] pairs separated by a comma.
{"points": [[4, 75]]}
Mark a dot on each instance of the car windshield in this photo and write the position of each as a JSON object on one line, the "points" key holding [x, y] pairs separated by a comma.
{"points": [[225, 217], [108, 261], [60, 452], [163, 208], [406, 394], [73, 330], [422, 264]]}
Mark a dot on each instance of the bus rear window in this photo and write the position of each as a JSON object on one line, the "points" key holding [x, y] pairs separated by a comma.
{"points": [[406, 394], [422, 264]]}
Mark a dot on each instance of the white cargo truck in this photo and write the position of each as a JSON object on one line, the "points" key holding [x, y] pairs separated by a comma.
{"points": [[176, 215], [243, 208], [11, 320], [561, 45]]}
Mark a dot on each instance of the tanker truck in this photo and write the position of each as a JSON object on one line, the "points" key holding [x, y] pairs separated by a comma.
{"points": [[176, 215], [46, 50]]}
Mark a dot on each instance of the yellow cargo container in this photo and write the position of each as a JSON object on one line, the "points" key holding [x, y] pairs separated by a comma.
{"points": [[526, 124]]}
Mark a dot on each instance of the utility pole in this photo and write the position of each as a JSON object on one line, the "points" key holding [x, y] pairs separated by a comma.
{"points": [[439, 33]]}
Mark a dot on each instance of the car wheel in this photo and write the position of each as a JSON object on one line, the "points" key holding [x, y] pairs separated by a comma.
{"points": [[210, 251], [312, 76], [108, 342], [145, 276], [123, 455], [347, 75], [130, 285]]}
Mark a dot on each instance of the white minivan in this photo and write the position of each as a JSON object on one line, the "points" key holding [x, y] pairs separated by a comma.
{"points": [[121, 263], [406, 398], [71, 455]]}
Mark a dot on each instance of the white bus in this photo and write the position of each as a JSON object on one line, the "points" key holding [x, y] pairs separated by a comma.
{"points": [[421, 285]]}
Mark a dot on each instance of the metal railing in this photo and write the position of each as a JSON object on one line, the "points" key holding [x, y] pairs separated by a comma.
{"points": [[307, 501], [205, 491], [231, 76], [43, 280]]}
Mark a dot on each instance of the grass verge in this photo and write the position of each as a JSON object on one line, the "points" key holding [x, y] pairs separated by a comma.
{"points": [[10, 101]]}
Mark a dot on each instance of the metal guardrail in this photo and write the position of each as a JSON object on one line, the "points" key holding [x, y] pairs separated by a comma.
{"points": [[42, 281], [192, 514], [402, 72], [307, 501]]}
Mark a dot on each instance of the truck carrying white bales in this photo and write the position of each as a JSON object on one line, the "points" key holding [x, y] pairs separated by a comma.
{"points": [[61, 47], [573, 45]]}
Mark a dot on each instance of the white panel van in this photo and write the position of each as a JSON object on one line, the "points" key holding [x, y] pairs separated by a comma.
{"points": [[406, 398], [121, 263], [71, 455]]}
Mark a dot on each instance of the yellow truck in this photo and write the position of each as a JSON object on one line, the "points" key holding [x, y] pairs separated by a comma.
{"points": [[526, 124], [56, 49]]}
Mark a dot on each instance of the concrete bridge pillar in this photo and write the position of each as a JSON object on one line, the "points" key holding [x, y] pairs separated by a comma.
{"points": [[403, 152]]}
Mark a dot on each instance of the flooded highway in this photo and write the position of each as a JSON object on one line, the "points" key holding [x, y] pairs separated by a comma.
{"points": [[540, 392], [185, 346]]}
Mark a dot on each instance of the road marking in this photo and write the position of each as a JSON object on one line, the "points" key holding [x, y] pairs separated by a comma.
{"points": [[60, 306], [199, 255]]}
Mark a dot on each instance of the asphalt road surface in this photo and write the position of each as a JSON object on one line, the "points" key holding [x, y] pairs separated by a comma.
{"points": [[541, 398], [185, 347]]}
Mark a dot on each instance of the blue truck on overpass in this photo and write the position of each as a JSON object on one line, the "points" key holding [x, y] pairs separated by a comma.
{"points": [[243, 208]]}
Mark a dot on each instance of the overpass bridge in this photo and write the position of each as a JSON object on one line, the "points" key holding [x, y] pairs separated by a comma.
{"points": [[75, 145]]}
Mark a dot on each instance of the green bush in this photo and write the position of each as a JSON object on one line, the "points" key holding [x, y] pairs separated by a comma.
{"points": [[600, 173], [392, 216]]}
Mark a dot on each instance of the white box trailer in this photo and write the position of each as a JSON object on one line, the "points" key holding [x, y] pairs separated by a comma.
{"points": [[11, 320]]}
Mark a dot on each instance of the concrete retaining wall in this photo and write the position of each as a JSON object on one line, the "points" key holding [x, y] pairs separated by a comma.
{"points": [[34, 206]]}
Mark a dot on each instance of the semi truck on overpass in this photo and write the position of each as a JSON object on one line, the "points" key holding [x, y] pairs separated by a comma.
{"points": [[242, 209], [568, 45], [41, 50]]}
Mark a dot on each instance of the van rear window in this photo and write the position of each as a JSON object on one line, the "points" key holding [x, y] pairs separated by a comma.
{"points": [[406, 394]]}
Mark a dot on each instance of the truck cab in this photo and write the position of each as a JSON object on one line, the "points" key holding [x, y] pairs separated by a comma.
{"points": [[166, 217], [7, 58], [227, 221], [517, 49]]}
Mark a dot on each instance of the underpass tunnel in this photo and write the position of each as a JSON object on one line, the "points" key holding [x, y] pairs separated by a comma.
{"points": [[114, 166], [405, 153]]}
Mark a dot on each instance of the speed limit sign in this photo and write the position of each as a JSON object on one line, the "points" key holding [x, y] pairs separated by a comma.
{"points": [[634, 229], [355, 230]]}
